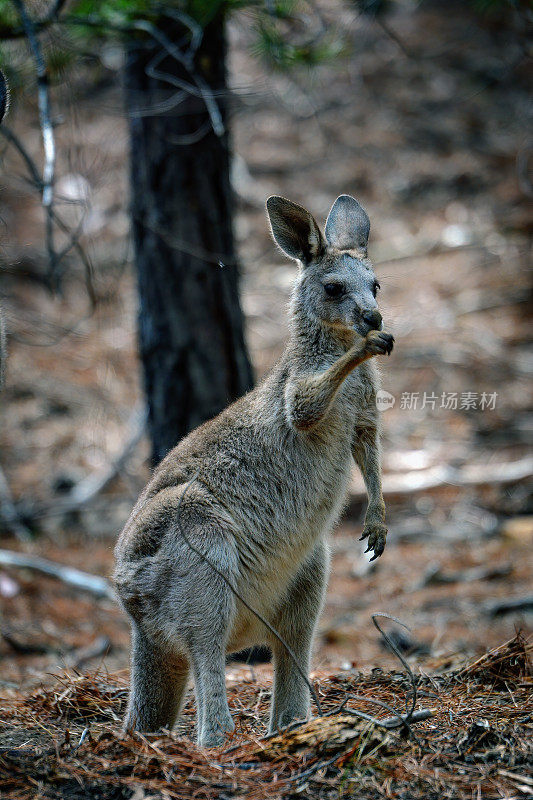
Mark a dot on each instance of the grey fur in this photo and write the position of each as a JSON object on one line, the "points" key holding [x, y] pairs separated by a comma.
{"points": [[273, 471]]}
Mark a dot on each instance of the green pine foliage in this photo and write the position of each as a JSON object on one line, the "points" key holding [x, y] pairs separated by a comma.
{"points": [[288, 33]]}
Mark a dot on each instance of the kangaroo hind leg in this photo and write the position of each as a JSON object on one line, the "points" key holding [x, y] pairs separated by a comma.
{"points": [[157, 686], [295, 621]]}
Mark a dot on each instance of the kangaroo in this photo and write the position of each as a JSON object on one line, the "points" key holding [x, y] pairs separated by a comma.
{"points": [[272, 475]]}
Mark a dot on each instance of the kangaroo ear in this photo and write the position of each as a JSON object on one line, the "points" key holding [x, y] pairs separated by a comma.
{"points": [[294, 229], [347, 226]]}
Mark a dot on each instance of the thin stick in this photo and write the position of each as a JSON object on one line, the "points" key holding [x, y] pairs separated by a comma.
{"points": [[74, 236], [398, 655], [87, 488], [28, 160], [389, 723], [203, 89]]}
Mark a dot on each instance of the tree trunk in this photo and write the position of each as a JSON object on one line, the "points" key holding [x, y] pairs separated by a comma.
{"points": [[190, 321]]}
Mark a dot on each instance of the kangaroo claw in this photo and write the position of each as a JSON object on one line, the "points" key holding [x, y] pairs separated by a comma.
{"points": [[377, 537]]}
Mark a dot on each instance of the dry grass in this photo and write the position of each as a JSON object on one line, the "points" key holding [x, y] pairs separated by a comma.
{"points": [[65, 741]]}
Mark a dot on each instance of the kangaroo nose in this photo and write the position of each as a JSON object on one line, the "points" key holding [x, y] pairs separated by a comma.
{"points": [[373, 319]]}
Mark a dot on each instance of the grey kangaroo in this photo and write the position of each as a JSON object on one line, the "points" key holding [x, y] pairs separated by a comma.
{"points": [[272, 475]]}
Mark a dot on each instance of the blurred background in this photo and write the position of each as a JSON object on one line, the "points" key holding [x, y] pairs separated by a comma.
{"points": [[127, 255]]}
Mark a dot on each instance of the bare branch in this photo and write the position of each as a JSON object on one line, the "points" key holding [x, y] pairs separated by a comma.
{"points": [[93, 485], [84, 258], [73, 242], [31, 166], [202, 88], [439, 476], [90, 487], [47, 131], [69, 575]]}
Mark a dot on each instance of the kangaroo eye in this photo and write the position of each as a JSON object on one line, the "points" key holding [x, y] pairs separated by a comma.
{"points": [[376, 287], [334, 289]]}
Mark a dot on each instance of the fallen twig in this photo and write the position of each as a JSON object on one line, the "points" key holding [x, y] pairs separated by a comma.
{"points": [[93, 485], [509, 604], [399, 656], [100, 647], [436, 576], [22, 648], [444, 475], [70, 575], [88, 488]]}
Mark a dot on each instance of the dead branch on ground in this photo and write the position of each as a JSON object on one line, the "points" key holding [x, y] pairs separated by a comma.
{"points": [[70, 575], [82, 493], [440, 476]]}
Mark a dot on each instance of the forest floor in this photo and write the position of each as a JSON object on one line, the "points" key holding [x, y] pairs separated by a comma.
{"points": [[472, 738], [429, 134]]}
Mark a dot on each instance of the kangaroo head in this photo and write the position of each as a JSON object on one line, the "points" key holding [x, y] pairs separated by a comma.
{"points": [[336, 283]]}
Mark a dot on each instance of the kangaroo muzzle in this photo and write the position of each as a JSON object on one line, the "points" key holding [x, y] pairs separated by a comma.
{"points": [[373, 319]]}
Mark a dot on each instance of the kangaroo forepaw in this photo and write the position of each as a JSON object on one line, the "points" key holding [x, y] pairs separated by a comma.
{"points": [[379, 342], [376, 533]]}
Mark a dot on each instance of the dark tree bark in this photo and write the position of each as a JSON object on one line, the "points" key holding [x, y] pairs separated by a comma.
{"points": [[190, 321]]}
